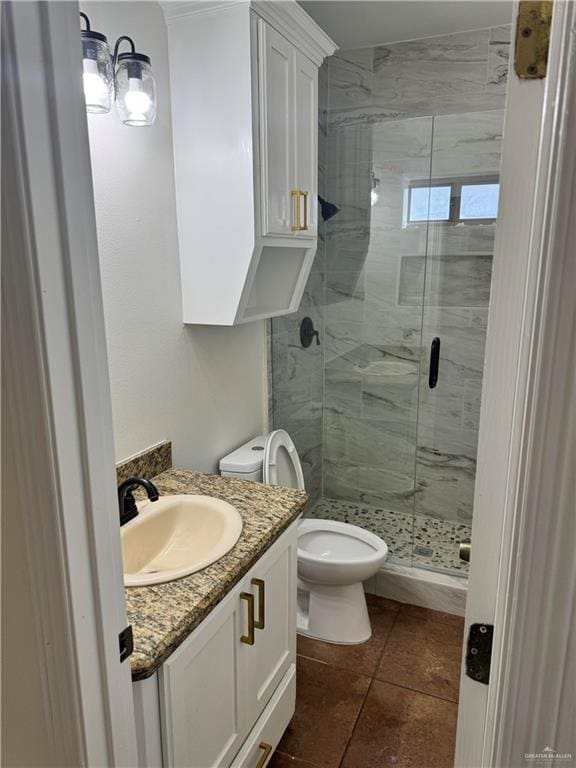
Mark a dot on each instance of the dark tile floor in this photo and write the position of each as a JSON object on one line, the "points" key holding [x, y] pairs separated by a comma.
{"points": [[389, 702]]}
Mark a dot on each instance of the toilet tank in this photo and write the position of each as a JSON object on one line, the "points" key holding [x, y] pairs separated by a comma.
{"points": [[246, 461]]}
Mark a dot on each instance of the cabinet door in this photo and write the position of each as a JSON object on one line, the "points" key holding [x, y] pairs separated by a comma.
{"points": [[276, 135], [198, 698], [262, 666], [306, 143], [258, 748]]}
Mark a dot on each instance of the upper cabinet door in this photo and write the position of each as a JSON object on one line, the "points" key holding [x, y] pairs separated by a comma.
{"points": [[276, 134], [306, 133]]}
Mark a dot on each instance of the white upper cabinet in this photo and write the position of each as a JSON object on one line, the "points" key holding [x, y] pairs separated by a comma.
{"points": [[288, 137], [276, 130], [244, 92], [306, 136]]}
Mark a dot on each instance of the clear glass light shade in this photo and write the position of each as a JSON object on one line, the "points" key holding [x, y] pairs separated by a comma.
{"points": [[135, 92], [98, 75]]}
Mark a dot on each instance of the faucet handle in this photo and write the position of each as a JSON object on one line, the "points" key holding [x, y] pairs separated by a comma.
{"points": [[126, 500]]}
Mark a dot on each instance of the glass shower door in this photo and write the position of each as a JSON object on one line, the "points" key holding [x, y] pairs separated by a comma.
{"points": [[458, 267], [374, 303]]}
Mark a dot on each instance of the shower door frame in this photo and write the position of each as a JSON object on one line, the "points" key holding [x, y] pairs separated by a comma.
{"points": [[529, 319]]}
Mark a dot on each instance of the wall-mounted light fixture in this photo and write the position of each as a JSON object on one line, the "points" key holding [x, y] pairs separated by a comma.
{"points": [[98, 73], [135, 86], [126, 75]]}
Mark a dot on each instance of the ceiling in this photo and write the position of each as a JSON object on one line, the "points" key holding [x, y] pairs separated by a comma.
{"points": [[361, 23]]}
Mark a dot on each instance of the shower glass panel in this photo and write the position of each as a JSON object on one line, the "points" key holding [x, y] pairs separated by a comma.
{"points": [[409, 261], [373, 329], [456, 275], [409, 154]]}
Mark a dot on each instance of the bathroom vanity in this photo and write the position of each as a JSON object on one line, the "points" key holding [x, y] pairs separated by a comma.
{"points": [[214, 653]]}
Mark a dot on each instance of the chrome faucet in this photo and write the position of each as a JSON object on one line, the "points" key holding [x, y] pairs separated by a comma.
{"points": [[126, 501]]}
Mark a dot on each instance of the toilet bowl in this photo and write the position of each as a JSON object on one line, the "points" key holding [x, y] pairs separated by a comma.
{"points": [[333, 558]]}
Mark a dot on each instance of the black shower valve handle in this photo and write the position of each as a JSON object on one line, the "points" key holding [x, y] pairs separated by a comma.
{"points": [[308, 332]]}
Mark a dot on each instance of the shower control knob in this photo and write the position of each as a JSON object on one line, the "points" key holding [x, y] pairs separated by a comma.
{"points": [[464, 551], [308, 332]]}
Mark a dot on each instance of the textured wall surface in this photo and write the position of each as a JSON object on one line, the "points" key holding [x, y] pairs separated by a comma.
{"points": [[399, 113], [201, 387]]}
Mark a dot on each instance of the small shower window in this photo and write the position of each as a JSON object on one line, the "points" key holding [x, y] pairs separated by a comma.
{"points": [[456, 200]]}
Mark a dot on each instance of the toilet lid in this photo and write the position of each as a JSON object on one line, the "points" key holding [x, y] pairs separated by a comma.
{"points": [[281, 463]]}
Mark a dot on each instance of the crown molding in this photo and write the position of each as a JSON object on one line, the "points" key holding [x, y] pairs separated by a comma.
{"points": [[178, 9], [286, 16], [291, 20]]}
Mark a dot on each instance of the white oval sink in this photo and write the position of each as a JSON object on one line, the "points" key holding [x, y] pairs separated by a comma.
{"points": [[176, 536]]}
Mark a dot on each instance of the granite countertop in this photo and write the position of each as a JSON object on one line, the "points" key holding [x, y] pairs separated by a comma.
{"points": [[163, 615]]}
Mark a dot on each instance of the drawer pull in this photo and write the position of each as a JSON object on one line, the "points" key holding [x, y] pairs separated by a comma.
{"points": [[295, 198], [305, 196], [266, 749], [261, 587], [249, 638]]}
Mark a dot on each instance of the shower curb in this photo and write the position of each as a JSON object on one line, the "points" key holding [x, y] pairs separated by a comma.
{"points": [[418, 586]]}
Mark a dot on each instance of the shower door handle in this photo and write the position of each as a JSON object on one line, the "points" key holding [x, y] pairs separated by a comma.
{"points": [[434, 362]]}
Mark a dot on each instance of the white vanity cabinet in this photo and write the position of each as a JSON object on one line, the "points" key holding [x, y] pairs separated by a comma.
{"points": [[226, 695], [244, 93]]}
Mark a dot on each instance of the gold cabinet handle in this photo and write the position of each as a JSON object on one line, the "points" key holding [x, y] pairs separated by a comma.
{"points": [[266, 749], [249, 638], [261, 587], [305, 196], [295, 198]]}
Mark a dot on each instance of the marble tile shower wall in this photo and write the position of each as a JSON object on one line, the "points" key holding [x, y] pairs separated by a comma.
{"points": [[398, 113], [296, 375]]}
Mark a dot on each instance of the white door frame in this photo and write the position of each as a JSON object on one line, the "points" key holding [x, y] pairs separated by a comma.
{"points": [[522, 576], [59, 493], [59, 415]]}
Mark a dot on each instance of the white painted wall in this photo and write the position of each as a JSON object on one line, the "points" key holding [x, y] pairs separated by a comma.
{"points": [[201, 387]]}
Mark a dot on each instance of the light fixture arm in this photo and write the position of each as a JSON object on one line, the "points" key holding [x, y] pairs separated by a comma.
{"points": [[119, 42], [87, 20]]}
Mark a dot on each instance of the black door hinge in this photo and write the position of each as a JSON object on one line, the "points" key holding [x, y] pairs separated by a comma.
{"points": [[126, 641], [479, 652]]}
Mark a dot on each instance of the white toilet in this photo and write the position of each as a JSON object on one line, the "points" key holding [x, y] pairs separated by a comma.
{"points": [[333, 558]]}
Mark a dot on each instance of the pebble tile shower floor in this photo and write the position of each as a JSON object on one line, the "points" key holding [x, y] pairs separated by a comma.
{"points": [[412, 539], [391, 701]]}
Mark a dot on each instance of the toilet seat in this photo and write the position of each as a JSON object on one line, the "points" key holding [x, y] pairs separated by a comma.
{"points": [[281, 462], [336, 543]]}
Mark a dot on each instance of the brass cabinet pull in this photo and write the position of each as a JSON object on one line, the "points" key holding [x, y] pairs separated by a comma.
{"points": [[249, 638], [305, 196], [295, 198], [266, 749], [261, 587]]}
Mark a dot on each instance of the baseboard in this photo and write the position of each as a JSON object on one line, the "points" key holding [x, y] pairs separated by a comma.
{"points": [[417, 586]]}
